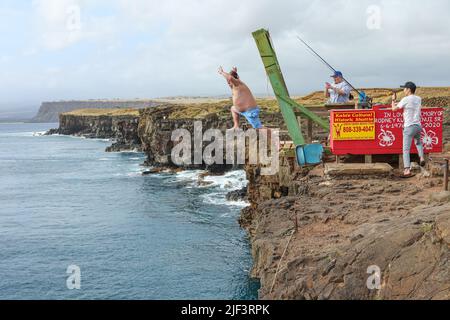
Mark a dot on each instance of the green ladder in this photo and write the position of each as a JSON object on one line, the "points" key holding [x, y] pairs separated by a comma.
{"points": [[306, 154]]}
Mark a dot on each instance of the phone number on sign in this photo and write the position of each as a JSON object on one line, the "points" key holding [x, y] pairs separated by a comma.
{"points": [[356, 129]]}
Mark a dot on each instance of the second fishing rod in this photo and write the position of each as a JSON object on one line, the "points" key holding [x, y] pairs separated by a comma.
{"points": [[363, 98]]}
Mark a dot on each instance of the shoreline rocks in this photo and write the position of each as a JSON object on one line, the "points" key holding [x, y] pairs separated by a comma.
{"points": [[238, 195]]}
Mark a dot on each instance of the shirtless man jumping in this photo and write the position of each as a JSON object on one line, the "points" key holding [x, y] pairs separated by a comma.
{"points": [[244, 103]]}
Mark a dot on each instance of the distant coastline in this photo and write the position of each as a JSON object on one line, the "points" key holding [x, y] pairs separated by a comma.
{"points": [[12, 122]]}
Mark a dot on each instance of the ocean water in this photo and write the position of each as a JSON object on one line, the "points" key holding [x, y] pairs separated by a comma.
{"points": [[64, 201]]}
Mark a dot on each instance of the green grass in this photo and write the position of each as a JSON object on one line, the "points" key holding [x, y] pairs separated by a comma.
{"points": [[104, 112]]}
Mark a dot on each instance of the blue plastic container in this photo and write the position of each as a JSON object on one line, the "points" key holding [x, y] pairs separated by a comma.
{"points": [[310, 154]]}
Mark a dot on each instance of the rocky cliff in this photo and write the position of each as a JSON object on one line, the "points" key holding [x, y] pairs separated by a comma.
{"points": [[152, 127], [49, 111], [325, 242], [119, 125], [319, 237], [157, 124]]}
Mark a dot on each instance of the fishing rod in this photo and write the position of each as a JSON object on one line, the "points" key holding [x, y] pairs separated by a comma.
{"points": [[362, 95]]}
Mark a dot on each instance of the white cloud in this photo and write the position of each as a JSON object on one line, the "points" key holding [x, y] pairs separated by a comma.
{"points": [[54, 18], [64, 23], [147, 48], [200, 34]]}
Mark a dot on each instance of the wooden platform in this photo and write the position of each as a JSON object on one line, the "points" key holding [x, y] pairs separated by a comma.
{"points": [[351, 169]]}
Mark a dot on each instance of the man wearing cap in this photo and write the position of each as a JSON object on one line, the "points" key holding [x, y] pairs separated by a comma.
{"points": [[411, 106], [339, 92]]}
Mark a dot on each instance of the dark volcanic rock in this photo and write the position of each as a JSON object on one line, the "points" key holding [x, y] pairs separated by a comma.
{"points": [[126, 136], [153, 171], [157, 125], [326, 243], [52, 132], [237, 195], [122, 129], [155, 131]]}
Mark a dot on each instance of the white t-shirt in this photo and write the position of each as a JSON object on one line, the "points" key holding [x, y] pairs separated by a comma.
{"points": [[412, 106], [337, 98]]}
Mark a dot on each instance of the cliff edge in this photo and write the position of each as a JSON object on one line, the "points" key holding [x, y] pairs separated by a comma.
{"points": [[119, 125], [325, 241], [49, 111], [157, 124]]}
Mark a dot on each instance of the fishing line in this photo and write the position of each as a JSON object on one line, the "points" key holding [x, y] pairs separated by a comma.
{"points": [[326, 63]]}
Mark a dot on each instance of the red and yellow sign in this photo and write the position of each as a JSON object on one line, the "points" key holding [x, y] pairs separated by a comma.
{"points": [[388, 131], [353, 125]]}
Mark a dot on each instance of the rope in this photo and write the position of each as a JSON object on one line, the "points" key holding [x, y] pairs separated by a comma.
{"points": [[281, 259], [267, 86]]}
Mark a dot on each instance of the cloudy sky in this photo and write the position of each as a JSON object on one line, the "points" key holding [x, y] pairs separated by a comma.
{"points": [[82, 49]]}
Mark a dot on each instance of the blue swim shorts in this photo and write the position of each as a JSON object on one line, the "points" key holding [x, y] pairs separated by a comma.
{"points": [[252, 116]]}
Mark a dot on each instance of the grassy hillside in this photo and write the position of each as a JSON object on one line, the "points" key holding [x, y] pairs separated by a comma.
{"points": [[104, 112], [192, 108]]}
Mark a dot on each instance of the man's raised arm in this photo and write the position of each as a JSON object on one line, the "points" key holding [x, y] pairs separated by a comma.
{"points": [[228, 77]]}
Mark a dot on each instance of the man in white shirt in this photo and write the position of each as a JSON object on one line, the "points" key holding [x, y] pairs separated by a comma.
{"points": [[339, 92], [411, 106]]}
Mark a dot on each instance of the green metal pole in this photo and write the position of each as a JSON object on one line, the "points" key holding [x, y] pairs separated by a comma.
{"points": [[273, 70]]}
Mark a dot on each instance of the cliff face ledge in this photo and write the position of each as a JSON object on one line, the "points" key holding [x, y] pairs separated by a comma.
{"points": [[156, 127], [322, 239], [157, 124], [120, 127], [152, 128]]}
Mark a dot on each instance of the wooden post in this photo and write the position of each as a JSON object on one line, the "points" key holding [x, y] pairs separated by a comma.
{"points": [[368, 158], [299, 121], [446, 174], [400, 162]]}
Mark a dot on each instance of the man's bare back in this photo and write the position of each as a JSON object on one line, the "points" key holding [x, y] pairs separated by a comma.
{"points": [[243, 98]]}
